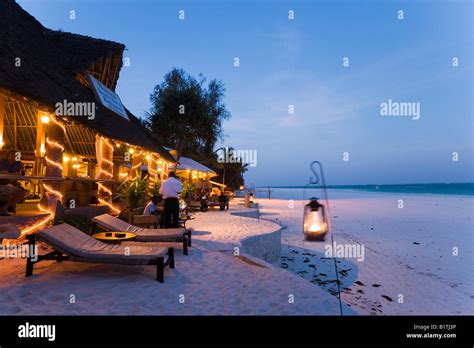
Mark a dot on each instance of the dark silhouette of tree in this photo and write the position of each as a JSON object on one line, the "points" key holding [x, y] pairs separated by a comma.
{"points": [[187, 115]]}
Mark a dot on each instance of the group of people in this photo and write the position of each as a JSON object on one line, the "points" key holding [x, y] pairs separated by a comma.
{"points": [[170, 190]]}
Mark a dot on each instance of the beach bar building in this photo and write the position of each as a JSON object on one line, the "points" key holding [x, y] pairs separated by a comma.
{"points": [[64, 132]]}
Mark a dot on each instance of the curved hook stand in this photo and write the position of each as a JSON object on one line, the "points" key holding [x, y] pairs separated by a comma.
{"points": [[315, 181]]}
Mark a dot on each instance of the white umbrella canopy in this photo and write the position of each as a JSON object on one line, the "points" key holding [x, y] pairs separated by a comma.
{"points": [[186, 163]]}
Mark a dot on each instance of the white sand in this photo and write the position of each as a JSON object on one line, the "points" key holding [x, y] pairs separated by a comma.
{"points": [[431, 279], [214, 281], [211, 278]]}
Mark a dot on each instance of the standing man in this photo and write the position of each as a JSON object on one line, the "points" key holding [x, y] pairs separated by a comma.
{"points": [[170, 189]]}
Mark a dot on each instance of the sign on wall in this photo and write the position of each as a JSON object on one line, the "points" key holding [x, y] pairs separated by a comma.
{"points": [[107, 97]]}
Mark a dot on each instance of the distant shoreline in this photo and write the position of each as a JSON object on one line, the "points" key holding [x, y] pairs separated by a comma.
{"points": [[454, 189]]}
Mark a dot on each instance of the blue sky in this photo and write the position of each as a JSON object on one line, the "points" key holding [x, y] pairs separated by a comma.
{"points": [[299, 62]]}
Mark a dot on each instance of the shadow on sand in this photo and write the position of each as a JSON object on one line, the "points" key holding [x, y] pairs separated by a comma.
{"points": [[315, 267]]}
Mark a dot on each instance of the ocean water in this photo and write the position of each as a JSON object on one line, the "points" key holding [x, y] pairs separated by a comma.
{"points": [[346, 191]]}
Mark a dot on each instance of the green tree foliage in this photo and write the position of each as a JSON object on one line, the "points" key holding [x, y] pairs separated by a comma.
{"points": [[188, 115]]}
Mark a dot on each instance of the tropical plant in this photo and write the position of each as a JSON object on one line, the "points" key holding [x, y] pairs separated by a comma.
{"points": [[80, 222], [188, 190], [133, 191], [155, 187]]}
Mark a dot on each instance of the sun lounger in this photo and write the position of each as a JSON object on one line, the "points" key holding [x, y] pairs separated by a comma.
{"points": [[9, 231], [72, 244], [110, 223]]}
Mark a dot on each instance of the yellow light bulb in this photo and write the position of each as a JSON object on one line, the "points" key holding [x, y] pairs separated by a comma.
{"points": [[45, 119]]}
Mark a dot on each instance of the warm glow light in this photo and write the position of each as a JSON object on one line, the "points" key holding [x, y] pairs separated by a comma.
{"points": [[101, 170], [66, 159], [117, 145], [109, 205], [104, 188], [74, 159], [105, 160], [42, 150], [52, 191], [131, 151], [315, 227], [39, 224], [58, 124], [147, 157], [53, 163], [45, 119], [76, 166], [55, 144]]}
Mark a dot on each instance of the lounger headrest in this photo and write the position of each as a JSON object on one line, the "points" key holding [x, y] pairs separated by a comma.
{"points": [[9, 231]]}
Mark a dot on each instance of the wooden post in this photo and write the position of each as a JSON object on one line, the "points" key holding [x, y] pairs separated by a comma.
{"points": [[136, 163], [153, 168], [54, 148], [105, 156], [40, 143], [15, 127], [2, 119]]}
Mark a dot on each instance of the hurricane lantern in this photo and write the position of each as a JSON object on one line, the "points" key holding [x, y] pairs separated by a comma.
{"points": [[315, 220]]}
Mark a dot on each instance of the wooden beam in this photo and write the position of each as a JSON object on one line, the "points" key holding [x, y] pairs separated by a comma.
{"points": [[15, 130]]}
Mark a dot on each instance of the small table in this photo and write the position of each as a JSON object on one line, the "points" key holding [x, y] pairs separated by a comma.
{"points": [[114, 237]]}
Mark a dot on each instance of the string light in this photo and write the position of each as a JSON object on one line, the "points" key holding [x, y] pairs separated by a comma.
{"points": [[106, 172], [38, 225], [58, 124], [104, 188], [52, 191], [54, 163], [54, 144], [109, 162], [109, 205]]}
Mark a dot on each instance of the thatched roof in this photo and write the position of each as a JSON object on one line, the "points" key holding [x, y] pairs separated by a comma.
{"points": [[52, 67]]}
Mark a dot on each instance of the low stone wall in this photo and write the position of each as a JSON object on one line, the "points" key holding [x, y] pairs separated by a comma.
{"points": [[267, 246]]}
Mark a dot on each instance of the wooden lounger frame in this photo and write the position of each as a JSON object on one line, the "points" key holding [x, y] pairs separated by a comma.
{"points": [[60, 255]]}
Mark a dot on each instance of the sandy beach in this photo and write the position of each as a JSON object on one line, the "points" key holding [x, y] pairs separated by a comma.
{"points": [[409, 265], [212, 280]]}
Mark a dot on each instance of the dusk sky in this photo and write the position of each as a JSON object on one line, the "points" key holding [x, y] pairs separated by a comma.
{"points": [[300, 62]]}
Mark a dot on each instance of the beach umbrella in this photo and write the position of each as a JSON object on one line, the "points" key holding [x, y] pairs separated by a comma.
{"points": [[315, 223]]}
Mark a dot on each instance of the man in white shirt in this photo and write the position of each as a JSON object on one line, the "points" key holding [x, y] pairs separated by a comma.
{"points": [[170, 189]]}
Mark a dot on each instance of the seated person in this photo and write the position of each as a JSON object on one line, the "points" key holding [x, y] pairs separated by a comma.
{"points": [[152, 207], [9, 165]]}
